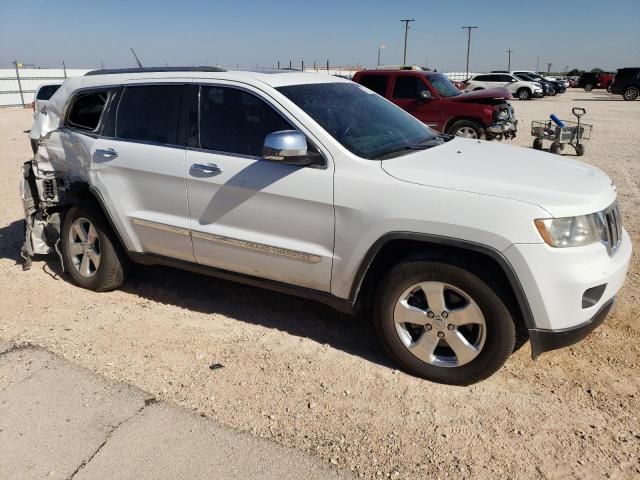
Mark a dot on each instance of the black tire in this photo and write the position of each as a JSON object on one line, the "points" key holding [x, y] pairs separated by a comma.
{"points": [[588, 87], [523, 94], [456, 128], [500, 329], [556, 148], [537, 144], [630, 94], [580, 149], [113, 264]]}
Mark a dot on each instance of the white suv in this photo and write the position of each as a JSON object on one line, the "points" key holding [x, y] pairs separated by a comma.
{"points": [[520, 89], [315, 186]]}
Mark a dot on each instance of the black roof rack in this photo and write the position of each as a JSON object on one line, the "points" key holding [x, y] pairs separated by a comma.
{"points": [[111, 71]]}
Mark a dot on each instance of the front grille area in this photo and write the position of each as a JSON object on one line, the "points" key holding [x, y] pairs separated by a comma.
{"points": [[613, 227]]}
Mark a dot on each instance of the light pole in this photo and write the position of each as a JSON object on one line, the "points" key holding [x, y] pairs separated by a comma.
{"points": [[469, 28], [406, 21], [509, 51], [380, 47]]}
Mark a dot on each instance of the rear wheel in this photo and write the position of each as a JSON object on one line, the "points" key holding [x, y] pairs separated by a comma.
{"points": [[537, 144], [523, 94], [443, 323], [91, 252], [580, 149], [466, 129], [588, 87], [630, 93]]}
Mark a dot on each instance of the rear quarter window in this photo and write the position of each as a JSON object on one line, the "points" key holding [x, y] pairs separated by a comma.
{"points": [[86, 110]]}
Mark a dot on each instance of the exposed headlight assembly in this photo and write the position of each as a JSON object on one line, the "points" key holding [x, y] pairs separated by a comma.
{"points": [[572, 231], [503, 115]]}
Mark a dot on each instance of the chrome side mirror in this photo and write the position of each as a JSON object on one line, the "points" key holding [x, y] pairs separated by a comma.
{"points": [[424, 96], [288, 146]]}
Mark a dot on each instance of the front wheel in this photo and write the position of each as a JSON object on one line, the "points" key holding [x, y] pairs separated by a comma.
{"points": [[537, 144], [580, 149], [630, 93], [524, 94], [91, 252], [443, 323], [466, 129], [588, 87]]}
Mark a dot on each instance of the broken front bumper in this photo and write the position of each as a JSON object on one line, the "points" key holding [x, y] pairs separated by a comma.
{"points": [[505, 129]]}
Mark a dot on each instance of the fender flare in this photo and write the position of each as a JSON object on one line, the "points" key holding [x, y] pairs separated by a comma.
{"points": [[495, 255]]}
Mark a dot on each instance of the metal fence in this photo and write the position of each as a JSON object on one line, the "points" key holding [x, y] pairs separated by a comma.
{"points": [[18, 89]]}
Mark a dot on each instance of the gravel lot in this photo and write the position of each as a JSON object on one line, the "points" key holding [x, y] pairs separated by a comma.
{"points": [[307, 377]]}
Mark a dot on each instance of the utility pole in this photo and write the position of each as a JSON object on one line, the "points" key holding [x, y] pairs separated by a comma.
{"points": [[538, 64], [469, 28], [406, 21], [509, 51], [15, 64], [549, 67], [64, 69], [380, 47]]}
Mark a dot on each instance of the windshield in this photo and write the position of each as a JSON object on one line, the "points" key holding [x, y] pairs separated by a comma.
{"points": [[444, 86], [527, 77], [363, 122]]}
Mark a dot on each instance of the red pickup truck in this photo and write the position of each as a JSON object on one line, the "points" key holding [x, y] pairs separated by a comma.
{"points": [[433, 99]]}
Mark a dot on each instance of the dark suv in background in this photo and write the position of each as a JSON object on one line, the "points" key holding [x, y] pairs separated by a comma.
{"points": [[591, 80], [627, 83]]}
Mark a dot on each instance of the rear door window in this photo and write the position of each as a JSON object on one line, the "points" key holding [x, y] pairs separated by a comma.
{"points": [[86, 110], [408, 87], [376, 83], [236, 121], [149, 113]]}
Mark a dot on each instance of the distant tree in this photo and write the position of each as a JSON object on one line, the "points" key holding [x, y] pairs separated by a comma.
{"points": [[596, 70], [575, 72]]}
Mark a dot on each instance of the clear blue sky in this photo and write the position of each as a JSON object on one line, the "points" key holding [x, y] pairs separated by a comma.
{"points": [[577, 33]]}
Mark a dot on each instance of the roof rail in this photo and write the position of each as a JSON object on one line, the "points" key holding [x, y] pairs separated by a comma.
{"points": [[111, 71]]}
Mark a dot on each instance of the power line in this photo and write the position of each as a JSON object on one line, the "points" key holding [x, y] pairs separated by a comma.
{"points": [[406, 21], [509, 51], [469, 28]]}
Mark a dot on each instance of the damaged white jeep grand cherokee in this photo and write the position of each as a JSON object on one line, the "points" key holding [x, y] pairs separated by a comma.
{"points": [[315, 186]]}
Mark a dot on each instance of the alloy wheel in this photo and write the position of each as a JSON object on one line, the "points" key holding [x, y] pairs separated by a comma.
{"points": [[440, 324], [84, 247], [630, 94], [467, 132]]}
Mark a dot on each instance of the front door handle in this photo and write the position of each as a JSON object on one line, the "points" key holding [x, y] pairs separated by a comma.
{"points": [[206, 168], [107, 153]]}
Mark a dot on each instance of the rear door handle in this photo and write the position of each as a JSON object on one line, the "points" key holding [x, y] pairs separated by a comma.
{"points": [[107, 153], [206, 168]]}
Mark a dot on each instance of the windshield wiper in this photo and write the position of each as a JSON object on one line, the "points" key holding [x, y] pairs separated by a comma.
{"points": [[432, 142]]}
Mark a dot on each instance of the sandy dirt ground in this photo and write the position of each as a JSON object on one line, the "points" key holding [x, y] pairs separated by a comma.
{"points": [[307, 377]]}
